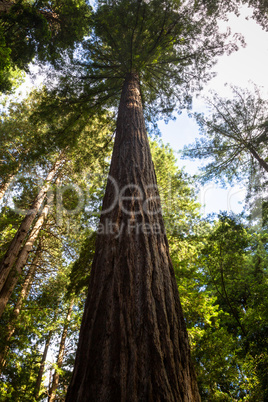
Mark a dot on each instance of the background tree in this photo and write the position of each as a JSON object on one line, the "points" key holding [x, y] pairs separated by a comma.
{"points": [[102, 64], [209, 322], [221, 8], [233, 262], [16, 256], [235, 136], [235, 143], [171, 63], [40, 30], [64, 229], [165, 50]]}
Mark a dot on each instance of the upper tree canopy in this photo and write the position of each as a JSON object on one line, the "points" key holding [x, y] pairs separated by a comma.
{"points": [[235, 136], [221, 7], [40, 29], [170, 44]]}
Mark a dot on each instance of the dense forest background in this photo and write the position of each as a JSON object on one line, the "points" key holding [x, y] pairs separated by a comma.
{"points": [[55, 154]]}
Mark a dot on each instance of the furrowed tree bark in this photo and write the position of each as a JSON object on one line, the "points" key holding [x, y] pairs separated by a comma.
{"points": [[56, 375], [26, 287], [133, 342], [15, 246], [21, 261]]}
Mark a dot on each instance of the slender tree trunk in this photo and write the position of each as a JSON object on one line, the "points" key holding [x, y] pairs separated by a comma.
{"points": [[4, 186], [56, 375], [16, 271], [133, 342], [17, 309], [42, 365], [261, 161], [15, 246]]}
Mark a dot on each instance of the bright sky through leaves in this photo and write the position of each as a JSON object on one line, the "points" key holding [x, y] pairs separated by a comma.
{"points": [[239, 68]]}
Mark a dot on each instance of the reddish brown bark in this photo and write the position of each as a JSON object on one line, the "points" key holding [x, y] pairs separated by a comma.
{"points": [[14, 248], [14, 275], [26, 287], [133, 342]]}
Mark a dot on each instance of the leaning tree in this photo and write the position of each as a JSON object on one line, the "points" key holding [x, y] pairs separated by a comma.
{"points": [[133, 341]]}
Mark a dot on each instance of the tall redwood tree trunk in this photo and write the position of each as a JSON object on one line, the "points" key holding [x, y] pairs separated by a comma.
{"points": [[14, 248], [26, 287], [16, 271], [133, 342]]}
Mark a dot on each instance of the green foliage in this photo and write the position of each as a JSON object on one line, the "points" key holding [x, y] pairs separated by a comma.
{"points": [[230, 355], [80, 272], [233, 264], [29, 147], [8, 74], [23, 378], [234, 131], [221, 269], [22, 142], [9, 223], [169, 47], [179, 206], [62, 236], [41, 30], [220, 8]]}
